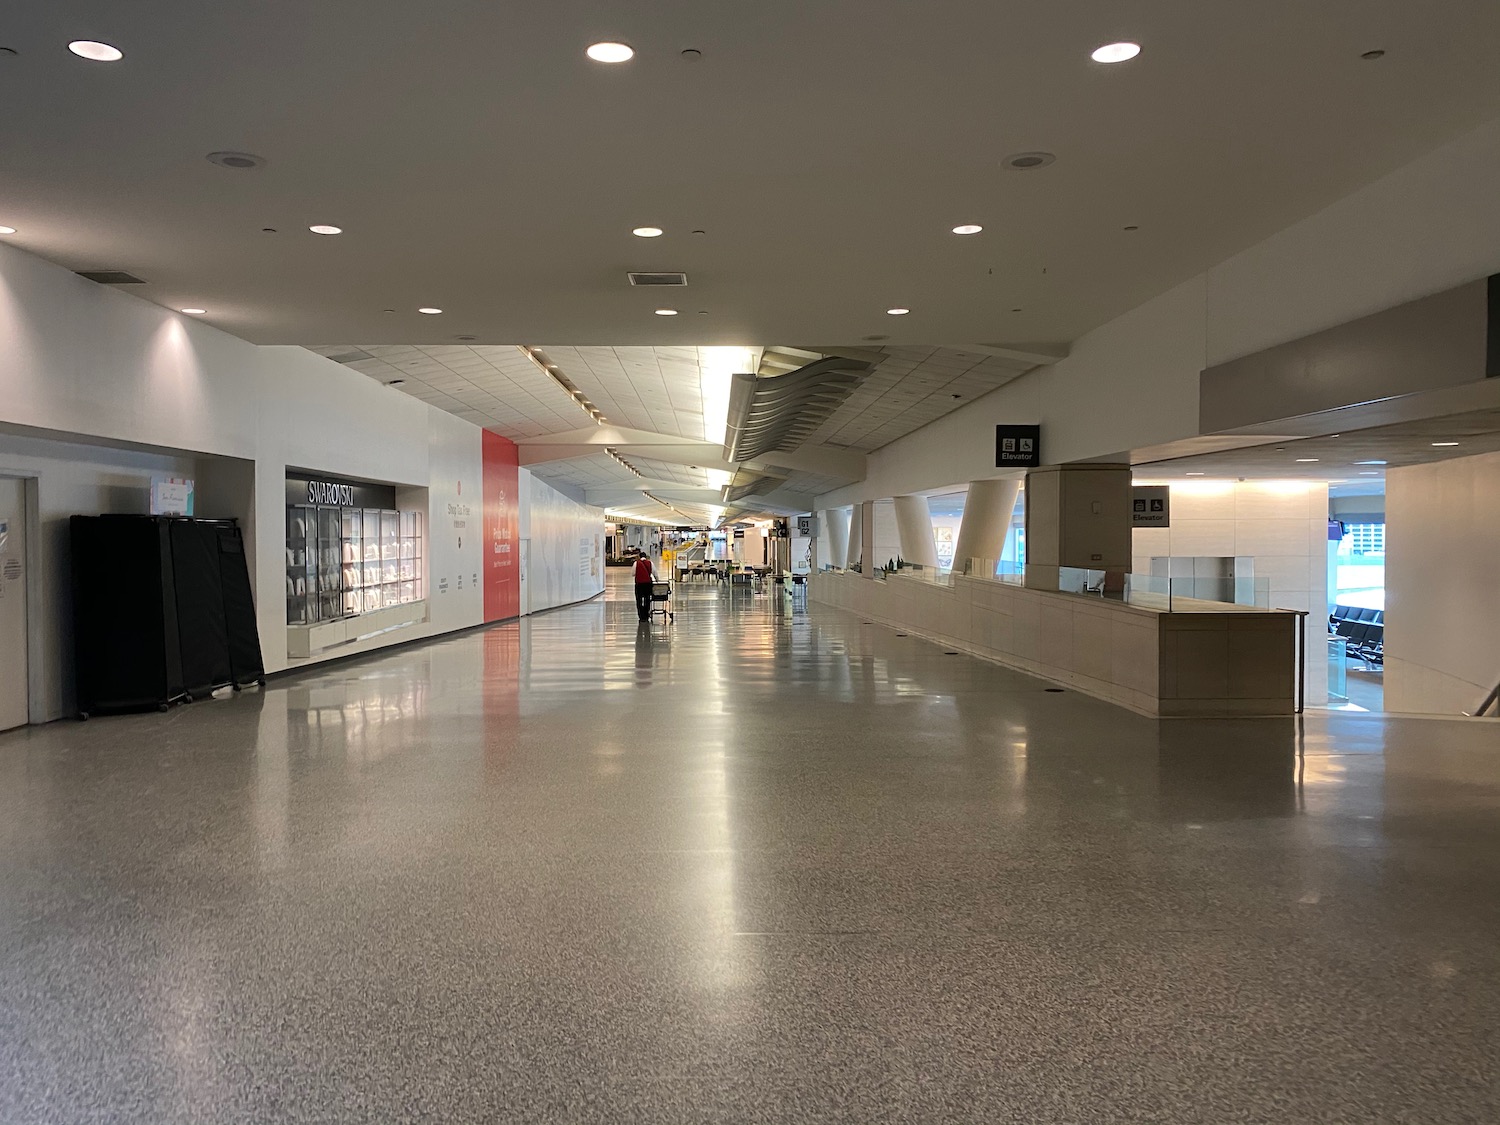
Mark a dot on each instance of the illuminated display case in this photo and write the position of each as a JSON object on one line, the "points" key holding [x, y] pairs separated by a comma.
{"points": [[346, 556]]}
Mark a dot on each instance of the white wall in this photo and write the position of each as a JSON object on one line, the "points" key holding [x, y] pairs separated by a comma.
{"points": [[562, 542], [1429, 226], [1442, 585], [1282, 525], [82, 361], [73, 478]]}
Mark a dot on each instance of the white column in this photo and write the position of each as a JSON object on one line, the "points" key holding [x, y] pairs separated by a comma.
{"points": [[856, 544], [914, 526], [987, 515], [833, 543]]}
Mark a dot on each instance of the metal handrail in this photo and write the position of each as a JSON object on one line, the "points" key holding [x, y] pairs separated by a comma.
{"points": [[1301, 656]]}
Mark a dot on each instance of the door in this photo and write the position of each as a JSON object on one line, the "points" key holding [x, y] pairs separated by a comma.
{"points": [[13, 677]]}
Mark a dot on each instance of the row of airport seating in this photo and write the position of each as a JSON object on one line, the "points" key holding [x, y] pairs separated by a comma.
{"points": [[1363, 630]]}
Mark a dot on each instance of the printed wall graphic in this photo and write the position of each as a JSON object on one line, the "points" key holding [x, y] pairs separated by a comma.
{"points": [[502, 528]]}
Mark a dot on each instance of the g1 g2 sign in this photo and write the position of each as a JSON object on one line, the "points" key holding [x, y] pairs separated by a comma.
{"points": [[1018, 447]]}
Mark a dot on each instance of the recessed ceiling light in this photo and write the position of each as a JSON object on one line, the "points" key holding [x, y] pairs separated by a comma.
{"points": [[897, 312], [324, 228], [968, 228], [1371, 56], [430, 312], [1197, 474], [95, 52], [1443, 444], [239, 161], [395, 382], [666, 312], [1115, 52], [193, 312], [1026, 161], [1369, 462], [647, 232], [1306, 460], [610, 52], [7, 230], [1369, 473]]}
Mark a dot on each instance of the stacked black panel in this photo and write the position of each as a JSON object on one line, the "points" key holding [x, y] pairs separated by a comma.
{"points": [[162, 611]]}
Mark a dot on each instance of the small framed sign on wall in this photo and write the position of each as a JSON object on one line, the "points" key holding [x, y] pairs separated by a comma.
{"points": [[1018, 447]]}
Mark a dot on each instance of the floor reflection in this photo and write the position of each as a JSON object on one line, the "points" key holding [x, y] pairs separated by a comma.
{"points": [[760, 862]]}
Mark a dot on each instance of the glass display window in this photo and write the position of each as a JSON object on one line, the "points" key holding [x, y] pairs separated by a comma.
{"points": [[342, 562]]}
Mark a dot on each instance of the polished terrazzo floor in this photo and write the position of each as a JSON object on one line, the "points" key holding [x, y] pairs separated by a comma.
{"points": [[758, 865]]}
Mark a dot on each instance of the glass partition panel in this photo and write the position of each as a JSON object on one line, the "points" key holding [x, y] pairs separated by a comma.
{"points": [[1338, 668]]}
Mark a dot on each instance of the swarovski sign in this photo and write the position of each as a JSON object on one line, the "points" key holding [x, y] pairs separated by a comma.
{"points": [[327, 492]]}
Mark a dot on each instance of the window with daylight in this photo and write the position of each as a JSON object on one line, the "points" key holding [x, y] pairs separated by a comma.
{"points": [[1361, 566]]}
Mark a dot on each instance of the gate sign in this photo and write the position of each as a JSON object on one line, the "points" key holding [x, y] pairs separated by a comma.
{"points": [[1151, 505], [805, 527], [1018, 447]]}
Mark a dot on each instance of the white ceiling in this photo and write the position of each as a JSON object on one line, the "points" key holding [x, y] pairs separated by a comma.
{"points": [[646, 388], [911, 387], [497, 387], [479, 163]]}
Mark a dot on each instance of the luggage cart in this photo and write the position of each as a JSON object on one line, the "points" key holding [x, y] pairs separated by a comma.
{"points": [[661, 601]]}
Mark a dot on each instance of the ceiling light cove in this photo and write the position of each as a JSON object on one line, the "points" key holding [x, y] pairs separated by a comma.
{"points": [[666, 312], [610, 52], [324, 228], [430, 311], [897, 312], [95, 52], [1115, 52], [193, 312], [968, 228], [717, 367], [647, 232]]}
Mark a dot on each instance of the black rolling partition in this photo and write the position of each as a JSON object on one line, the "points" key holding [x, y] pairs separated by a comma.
{"points": [[246, 665], [125, 637], [163, 611], [203, 637]]}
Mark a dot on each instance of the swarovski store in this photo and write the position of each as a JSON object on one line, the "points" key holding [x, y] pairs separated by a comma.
{"points": [[354, 562]]}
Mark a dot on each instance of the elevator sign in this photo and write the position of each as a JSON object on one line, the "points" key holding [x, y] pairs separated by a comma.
{"points": [[1018, 447], [1151, 506]]}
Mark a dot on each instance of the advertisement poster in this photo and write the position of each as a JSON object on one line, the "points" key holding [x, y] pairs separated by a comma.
{"points": [[502, 528]]}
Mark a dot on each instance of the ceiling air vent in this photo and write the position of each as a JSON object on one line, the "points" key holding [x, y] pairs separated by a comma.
{"points": [[657, 278], [111, 277]]}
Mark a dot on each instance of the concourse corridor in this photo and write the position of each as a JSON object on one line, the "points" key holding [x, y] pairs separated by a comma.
{"points": [[763, 863]]}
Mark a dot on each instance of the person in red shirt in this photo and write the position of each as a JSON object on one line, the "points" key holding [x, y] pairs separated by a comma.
{"points": [[644, 577]]}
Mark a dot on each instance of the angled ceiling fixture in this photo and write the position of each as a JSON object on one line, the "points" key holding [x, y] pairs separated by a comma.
{"points": [[615, 453], [779, 412], [553, 372], [751, 482], [663, 503]]}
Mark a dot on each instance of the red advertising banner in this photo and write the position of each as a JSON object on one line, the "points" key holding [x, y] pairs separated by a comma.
{"points": [[502, 528]]}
